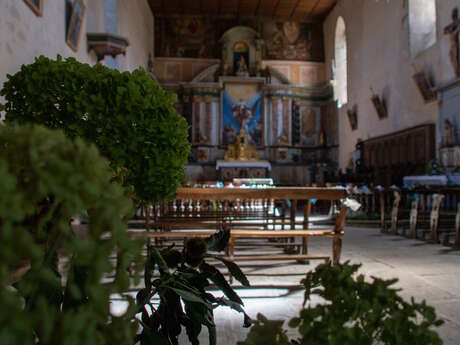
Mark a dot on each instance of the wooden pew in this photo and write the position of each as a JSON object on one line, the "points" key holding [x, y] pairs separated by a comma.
{"points": [[446, 236], [224, 196]]}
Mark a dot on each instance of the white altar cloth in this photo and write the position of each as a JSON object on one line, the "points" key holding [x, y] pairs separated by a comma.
{"points": [[243, 164], [425, 180]]}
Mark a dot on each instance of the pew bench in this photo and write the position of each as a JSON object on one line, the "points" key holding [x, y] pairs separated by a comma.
{"points": [[263, 234], [172, 225]]}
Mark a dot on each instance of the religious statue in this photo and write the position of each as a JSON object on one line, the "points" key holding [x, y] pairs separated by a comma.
{"points": [[241, 150], [453, 30], [448, 133], [242, 67]]}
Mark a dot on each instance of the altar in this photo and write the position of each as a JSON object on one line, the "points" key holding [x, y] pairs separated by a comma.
{"points": [[229, 170], [266, 81]]}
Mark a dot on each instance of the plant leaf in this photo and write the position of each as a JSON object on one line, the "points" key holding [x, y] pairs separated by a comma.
{"points": [[218, 278], [218, 241], [190, 296], [234, 269]]}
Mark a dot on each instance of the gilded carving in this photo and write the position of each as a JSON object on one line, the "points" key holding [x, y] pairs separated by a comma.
{"points": [[241, 150]]}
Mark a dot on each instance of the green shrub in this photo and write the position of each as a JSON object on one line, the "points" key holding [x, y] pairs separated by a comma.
{"points": [[183, 279], [45, 180], [126, 115], [353, 312]]}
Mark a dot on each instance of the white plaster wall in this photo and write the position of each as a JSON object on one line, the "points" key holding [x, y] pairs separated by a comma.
{"points": [[23, 35], [135, 22], [378, 57]]}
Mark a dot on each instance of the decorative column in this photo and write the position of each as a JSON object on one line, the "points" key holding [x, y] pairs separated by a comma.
{"points": [[275, 119], [188, 114], [208, 119], [296, 122], [286, 115], [196, 118]]}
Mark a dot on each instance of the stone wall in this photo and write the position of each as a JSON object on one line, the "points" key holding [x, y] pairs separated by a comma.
{"points": [[23, 35], [378, 56]]}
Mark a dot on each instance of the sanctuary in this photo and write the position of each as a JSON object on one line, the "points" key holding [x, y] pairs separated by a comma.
{"points": [[263, 78]]}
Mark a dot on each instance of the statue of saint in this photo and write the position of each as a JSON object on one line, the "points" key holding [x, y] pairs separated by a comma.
{"points": [[448, 133], [242, 67], [453, 30]]}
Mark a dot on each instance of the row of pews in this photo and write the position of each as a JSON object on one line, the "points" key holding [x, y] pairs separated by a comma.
{"points": [[431, 215], [277, 214]]}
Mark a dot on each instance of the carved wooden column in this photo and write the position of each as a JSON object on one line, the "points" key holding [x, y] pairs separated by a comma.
{"points": [[197, 119], [208, 119], [275, 119], [286, 116], [295, 122]]}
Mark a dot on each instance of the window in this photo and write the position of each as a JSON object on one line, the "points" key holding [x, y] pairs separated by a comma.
{"points": [[422, 25], [340, 64]]}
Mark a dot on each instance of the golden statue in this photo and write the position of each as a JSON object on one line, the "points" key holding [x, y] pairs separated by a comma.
{"points": [[241, 150]]}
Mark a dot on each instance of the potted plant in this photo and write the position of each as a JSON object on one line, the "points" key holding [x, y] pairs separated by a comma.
{"points": [[128, 116], [45, 180]]}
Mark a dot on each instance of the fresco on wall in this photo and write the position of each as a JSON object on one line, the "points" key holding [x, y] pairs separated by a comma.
{"points": [[198, 37], [242, 108], [185, 36], [288, 41]]}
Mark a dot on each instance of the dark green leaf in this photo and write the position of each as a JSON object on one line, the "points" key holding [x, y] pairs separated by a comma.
{"points": [[234, 270], [217, 278], [218, 242]]}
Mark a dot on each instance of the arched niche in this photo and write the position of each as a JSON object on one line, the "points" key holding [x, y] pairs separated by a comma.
{"points": [[241, 41]]}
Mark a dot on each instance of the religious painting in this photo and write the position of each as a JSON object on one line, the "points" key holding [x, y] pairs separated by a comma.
{"points": [[75, 24], [36, 6], [185, 36], [308, 123], [292, 41], [424, 87], [242, 105], [353, 117], [198, 37], [379, 105]]}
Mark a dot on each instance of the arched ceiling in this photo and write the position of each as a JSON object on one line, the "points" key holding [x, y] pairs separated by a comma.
{"points": [[299, 10]]}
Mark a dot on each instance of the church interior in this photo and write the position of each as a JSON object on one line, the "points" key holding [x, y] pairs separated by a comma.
{"points": [[176, 172]]}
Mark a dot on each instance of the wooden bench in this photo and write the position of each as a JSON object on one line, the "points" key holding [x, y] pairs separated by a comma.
{"points": [[181, 226]]}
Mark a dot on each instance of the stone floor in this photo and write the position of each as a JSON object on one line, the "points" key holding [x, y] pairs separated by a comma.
{"points": [[425, 271]]}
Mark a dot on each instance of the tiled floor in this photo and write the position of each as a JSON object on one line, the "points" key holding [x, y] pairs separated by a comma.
{"points": [[426, 271]]}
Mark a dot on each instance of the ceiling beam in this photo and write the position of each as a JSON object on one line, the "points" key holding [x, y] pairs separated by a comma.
{"points": [[275, 8], [310, 15], [256, 12], [294, 9]]}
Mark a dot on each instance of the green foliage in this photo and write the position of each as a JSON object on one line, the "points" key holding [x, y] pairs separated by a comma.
{"points": [[184, 277], [353, 311], [45, 181], [126, 115]]}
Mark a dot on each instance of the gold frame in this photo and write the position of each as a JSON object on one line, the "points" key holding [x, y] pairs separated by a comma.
{"points": [[71, 23], [37, 10]]}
